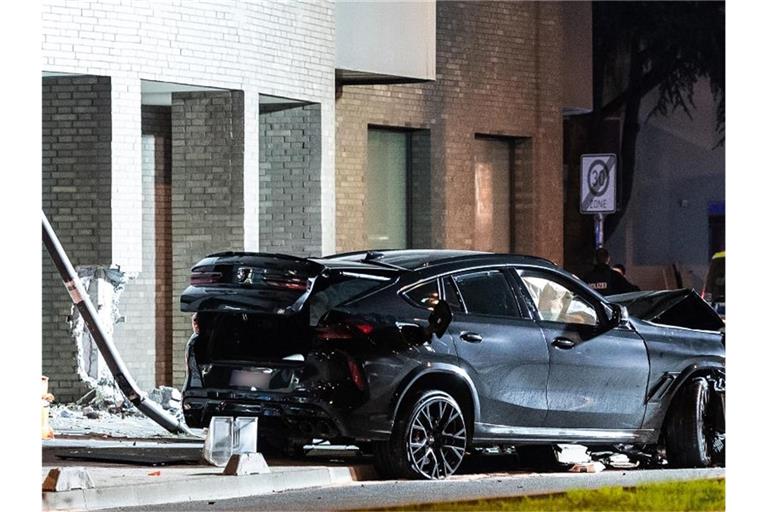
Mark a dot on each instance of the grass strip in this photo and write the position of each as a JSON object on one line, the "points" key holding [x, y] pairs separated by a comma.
{"points": [[694, 496]]}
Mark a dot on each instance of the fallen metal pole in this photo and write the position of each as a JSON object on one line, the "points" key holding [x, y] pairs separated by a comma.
{"points": [[107, 349]]}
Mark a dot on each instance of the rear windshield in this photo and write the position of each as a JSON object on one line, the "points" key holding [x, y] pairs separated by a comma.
{"points": [[341, 288], [716, 280]]}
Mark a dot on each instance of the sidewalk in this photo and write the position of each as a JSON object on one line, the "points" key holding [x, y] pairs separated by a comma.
{"points": [[129, 472]]}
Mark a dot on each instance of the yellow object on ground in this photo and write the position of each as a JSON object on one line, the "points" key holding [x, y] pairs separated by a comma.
{"points": [[45, 429]]}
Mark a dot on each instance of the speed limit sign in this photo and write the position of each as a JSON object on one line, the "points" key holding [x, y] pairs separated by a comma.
{"points": [[598, 183]]}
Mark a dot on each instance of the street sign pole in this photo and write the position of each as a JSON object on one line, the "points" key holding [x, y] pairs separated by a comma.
{"points": [[599, 233], [598, 190]]}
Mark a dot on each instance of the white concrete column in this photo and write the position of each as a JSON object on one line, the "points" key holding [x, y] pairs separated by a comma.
{"points": [[328, 177], [126, 173], [251, 170]]}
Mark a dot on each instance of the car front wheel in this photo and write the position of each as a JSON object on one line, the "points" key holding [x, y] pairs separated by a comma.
{"points": [[429, 440], [694, 436]]}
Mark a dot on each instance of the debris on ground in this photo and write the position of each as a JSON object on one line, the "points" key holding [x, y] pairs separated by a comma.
{"points": [[587, 467], [45, 427], [169, 398], [117, 416]]}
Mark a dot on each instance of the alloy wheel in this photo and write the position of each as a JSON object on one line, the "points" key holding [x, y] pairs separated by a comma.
{"points": [[437, 438]]}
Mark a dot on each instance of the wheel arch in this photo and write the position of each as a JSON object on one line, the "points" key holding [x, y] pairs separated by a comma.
{"points": [[712, 372], [452, 380], [715, 371]]}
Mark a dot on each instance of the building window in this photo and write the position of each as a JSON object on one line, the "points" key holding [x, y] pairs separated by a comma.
{"points": [[387, 189]]}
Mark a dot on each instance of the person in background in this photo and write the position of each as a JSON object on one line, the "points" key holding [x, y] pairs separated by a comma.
{"points": [[604, 279]]}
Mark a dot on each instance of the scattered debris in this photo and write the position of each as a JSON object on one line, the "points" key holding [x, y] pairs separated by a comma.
{"points": [[169, 398], [90, 413], [45, 428], [621, 461], [588, 467], [572, 454], [67, 479], [154, 473], [114, 422]]}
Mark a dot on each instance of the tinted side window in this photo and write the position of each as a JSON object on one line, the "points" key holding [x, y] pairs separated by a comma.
{"points": [[452, 296], [336, 292], [425, 295], [556, 302], [487, 293]]}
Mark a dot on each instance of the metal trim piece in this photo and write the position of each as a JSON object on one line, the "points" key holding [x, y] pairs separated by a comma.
{"points": [[562, 433]]}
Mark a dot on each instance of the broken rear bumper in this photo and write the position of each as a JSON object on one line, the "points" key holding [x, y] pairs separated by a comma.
{"points": [[297, 417]]}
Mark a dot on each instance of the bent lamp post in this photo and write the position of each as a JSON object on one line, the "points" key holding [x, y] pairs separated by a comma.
{"points": [[107, 349]]}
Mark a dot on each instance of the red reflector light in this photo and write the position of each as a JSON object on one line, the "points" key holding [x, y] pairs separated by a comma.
{"points": [[344, 331], [356, 374], [205, 277], [288, 285], [334, 332], [363, 327]]}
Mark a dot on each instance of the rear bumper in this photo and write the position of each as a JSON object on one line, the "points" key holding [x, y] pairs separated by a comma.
{"points": [[297, 417]]}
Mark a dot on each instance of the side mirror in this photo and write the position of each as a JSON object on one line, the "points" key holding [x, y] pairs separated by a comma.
{"points": [[619, 316], [440, 318]]}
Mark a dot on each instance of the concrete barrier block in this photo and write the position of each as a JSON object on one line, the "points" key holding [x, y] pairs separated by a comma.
{"points": [[67, 479], [246, 464]]}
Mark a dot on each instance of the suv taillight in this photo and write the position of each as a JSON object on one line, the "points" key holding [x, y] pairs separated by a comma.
{"points": [[345, 330], [205, 277]]}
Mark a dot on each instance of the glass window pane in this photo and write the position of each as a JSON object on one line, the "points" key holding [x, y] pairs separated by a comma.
{"points": [[451, 296], [386, 189], [556, 303], [425, 294], [487, 293]]}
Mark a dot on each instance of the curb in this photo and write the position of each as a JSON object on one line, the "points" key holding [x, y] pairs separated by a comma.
{"points": [[210, 487]]}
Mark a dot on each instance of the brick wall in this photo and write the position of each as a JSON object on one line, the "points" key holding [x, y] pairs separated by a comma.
{"points": [[284, 49], [207, 191], [76, 198], [289, 181], [498, 73]]}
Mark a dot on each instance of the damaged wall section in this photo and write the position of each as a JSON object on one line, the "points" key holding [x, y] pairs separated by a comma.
{"points": [[76, 195]]}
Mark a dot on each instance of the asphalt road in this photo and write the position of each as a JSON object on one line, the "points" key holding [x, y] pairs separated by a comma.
{"points": [[398, 493]]}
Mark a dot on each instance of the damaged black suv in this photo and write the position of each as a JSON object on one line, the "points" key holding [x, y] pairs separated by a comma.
{"points": [[423, 354]]}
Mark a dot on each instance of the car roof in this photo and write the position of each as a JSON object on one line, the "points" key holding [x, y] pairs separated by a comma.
{"points": [[414, 259]]}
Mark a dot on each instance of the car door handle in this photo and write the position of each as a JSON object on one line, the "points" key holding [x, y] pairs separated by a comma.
{"points": [[471, 337], [563, 343]]}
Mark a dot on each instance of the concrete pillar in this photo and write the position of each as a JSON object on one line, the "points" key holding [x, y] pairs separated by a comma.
{"points": [[207, 191]]}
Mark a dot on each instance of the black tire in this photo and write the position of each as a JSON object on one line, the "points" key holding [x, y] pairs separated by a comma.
{"points": [[429, 439], [539, 457], [691, 435]]}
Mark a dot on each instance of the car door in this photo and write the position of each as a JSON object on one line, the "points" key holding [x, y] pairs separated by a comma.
{"points": [[500, 346], [597, 375]]}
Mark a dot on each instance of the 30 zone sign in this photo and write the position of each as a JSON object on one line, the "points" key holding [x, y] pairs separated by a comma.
{"points": [[598, 183]]}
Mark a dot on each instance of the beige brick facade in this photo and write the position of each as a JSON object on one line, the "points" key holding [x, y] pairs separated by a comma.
{"points": [[498, 74]]}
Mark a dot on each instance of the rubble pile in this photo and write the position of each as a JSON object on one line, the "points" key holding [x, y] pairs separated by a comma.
{"points": [[106, 412]]}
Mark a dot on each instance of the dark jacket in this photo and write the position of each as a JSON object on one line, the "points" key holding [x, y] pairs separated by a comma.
{"points": [[606, 281]]}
